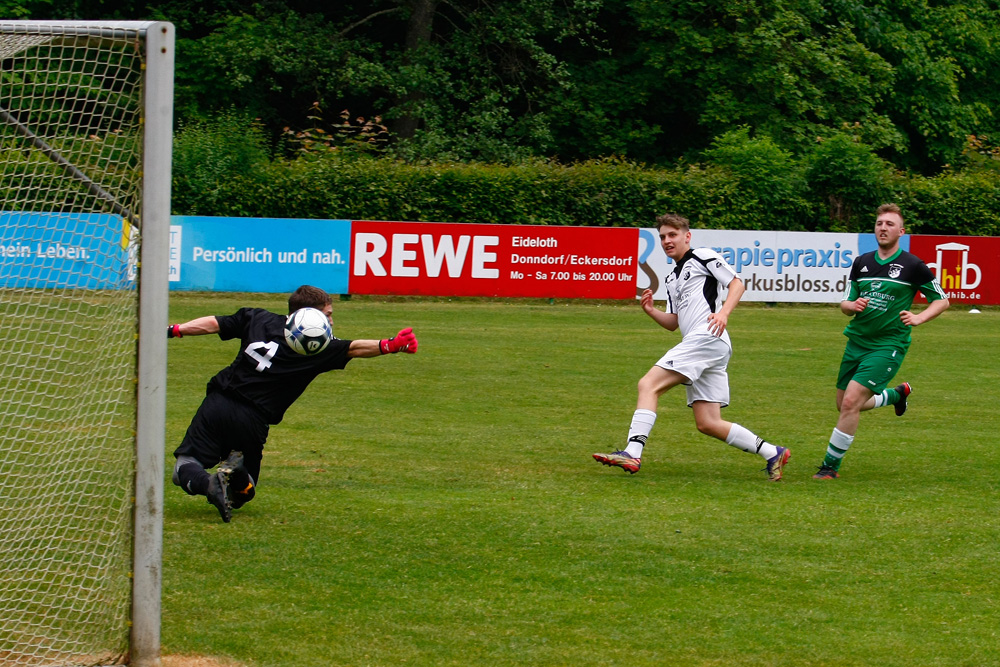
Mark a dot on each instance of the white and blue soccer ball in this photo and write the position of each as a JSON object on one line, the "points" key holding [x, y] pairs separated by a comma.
{"points": [[308, 331]]}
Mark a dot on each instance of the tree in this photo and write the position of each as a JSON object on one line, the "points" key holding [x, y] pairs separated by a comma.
{"points": [[14, 9], [790, 73], [419, 30], [944, 57], [649, 80], [850, 178]]}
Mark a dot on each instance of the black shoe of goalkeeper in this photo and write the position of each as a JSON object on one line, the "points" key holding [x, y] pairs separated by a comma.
{"points": [[232, 464], [238, 497], [239, 485], [217, 486]]}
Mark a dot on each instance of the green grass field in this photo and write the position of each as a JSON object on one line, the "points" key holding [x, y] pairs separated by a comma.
{"points": [[443, 508]]}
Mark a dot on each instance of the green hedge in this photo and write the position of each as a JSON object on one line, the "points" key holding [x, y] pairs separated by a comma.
{"points": [[965, 203], [368, 189], [227, 168], [605, 193], [743, 183], [29, 180]]}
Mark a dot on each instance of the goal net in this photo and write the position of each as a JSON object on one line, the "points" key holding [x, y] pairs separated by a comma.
{"points": [[80, 199]]}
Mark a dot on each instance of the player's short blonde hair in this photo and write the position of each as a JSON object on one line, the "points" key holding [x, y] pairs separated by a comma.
{"points": [[891, 208], [678, 222]]}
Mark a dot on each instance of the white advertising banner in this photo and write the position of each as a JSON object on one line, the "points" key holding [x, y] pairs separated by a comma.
{"points": [[802, 267]]}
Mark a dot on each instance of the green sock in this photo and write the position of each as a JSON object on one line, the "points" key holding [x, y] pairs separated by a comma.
{"points": [[839, 444], [891, 397], [833, 457]]}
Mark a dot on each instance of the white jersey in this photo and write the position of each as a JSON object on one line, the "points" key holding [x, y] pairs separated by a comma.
{"points": [[695, 288]]}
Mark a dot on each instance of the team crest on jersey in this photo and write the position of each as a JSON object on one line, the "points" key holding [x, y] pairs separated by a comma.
{"points": [[687, 274], [895, 270]]}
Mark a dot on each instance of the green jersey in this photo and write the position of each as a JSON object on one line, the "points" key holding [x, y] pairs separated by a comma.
{"points": [[890, 286]]}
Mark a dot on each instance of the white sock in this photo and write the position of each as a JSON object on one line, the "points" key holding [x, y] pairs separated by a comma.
{"points": [[880, 400], [638, 432], [746, 440], [840, 442]]}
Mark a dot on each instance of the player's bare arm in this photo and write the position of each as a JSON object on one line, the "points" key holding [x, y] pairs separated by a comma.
{"points": [[933, 309], [196, 327], [361, 349], [851, 308], [666, 320], [717, 322]]}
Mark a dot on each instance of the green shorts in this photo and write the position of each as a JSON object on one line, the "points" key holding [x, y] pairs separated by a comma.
{"points": [[872, 368]]}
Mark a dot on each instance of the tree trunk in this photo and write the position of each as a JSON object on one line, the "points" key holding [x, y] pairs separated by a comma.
{"points": [[418, 35]]}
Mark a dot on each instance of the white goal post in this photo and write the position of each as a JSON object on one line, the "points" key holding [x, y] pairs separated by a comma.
{"points": [[86, 114]]}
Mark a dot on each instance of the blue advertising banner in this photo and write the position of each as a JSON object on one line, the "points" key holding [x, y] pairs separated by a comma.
{"points": [[63, 250], [258, 254], [869, 243]]}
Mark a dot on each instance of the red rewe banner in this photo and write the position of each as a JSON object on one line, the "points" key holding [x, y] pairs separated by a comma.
{"points": [[968, 267], [452, 259]]}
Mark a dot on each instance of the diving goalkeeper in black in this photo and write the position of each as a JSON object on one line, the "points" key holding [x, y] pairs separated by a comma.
{"points": [[244, 399]]}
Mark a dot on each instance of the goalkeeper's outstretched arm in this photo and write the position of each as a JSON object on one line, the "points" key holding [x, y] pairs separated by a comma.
{"points": [[404, 341], [196, 327]]}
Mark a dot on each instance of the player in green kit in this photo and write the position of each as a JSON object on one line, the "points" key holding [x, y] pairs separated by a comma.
{"points": [[883, 284]]}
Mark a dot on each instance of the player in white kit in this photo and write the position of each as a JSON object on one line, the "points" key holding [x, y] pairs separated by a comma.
{"points": [[699, 361]]}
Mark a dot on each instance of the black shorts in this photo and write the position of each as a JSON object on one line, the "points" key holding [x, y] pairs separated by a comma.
{"points": [[221, 425]]}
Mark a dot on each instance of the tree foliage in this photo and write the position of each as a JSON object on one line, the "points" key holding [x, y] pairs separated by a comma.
{"points": [[650, 80], [849, 178]]}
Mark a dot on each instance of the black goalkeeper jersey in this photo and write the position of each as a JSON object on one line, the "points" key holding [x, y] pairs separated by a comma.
{"points": [[266, 372]]}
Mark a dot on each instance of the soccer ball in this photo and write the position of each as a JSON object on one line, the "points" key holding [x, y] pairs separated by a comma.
{"points": [[308, 331]]}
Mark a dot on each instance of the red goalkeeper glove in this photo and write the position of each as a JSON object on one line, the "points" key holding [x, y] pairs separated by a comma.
{"points": [[404, 341]]}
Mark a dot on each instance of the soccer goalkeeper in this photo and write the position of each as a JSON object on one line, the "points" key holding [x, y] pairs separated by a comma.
{"points": [[244, 399]]}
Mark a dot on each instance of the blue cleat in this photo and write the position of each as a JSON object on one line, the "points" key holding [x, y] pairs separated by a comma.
{"points": [[776, 464]]}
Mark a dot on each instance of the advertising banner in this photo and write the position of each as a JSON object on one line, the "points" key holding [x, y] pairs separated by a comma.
{"points": [[258, 254], [450, 259], [55, 250], [968, 268], [774, 266], [63, 250]]}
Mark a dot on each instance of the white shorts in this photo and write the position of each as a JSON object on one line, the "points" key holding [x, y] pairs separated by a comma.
{"points": [[703, 361]]}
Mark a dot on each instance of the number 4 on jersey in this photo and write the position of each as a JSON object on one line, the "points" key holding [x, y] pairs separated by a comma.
{"points": [[263, 361]]}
